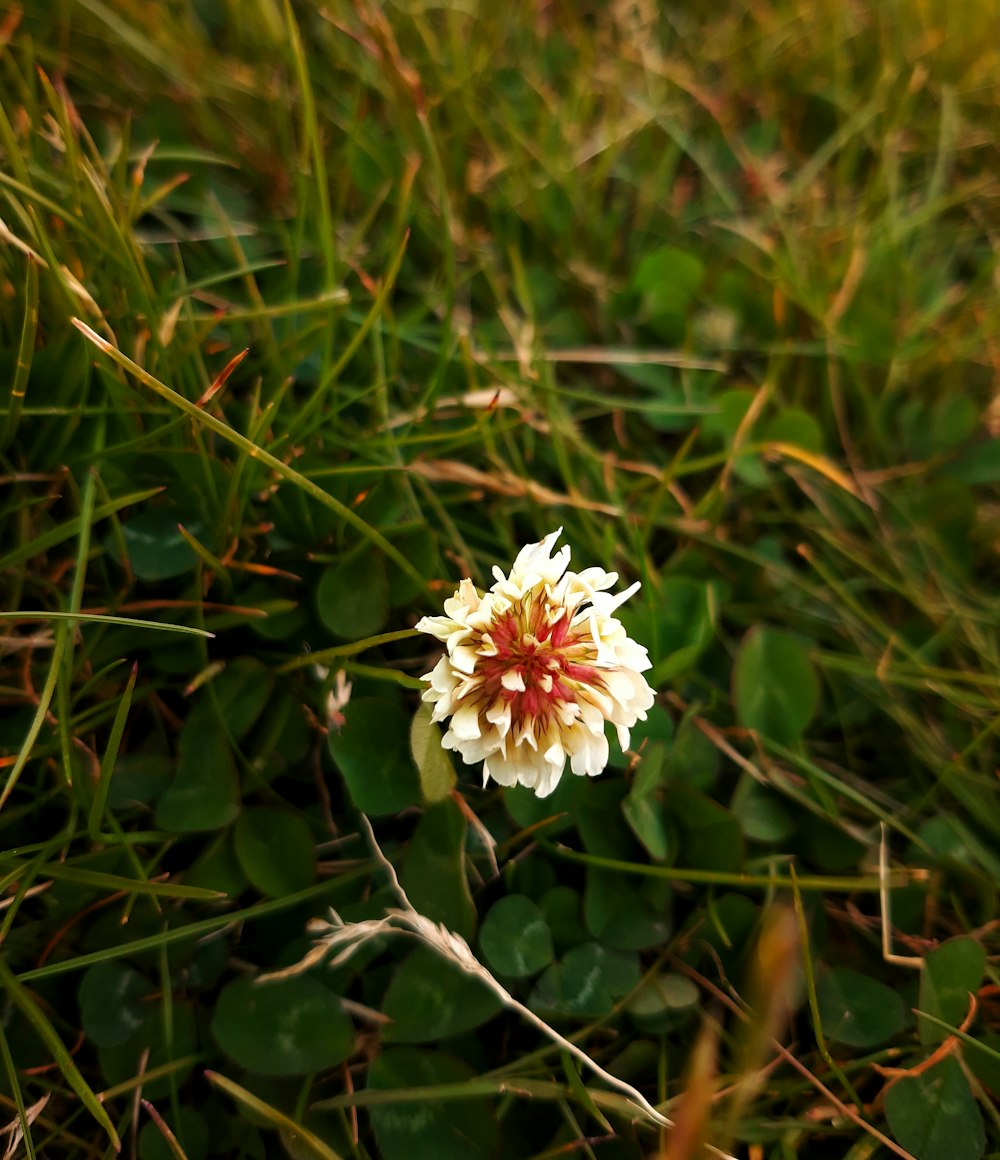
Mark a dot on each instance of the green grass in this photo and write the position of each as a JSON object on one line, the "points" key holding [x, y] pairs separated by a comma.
{"points": [[712, 287]]}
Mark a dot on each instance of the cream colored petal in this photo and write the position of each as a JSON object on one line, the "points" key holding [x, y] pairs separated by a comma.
{"points": [[555, 754], [468, 594], [606, 603], [441, 676], [440, 626], [591, 756], [595, 579], [498, 715], [457, 636], [464, 658], [501, 770], [547, 779], [465, 723]]}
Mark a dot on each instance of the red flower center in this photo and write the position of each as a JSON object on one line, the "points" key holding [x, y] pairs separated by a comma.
{"points": [[543, 655]]}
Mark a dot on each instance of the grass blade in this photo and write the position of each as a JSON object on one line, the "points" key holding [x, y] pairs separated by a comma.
{"points": [[253, 450], [47, 1033], [279, 1120], [98, 618], [25, 354], [103, 786]]}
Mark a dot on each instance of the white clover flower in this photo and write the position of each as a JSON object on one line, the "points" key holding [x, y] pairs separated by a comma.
{"points": [[534, 668]]}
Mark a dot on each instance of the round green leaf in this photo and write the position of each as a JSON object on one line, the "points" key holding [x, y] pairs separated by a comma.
{"points": [[430, 998], [951, 973], [242, 691], [731, 407], [667, 279], [149, 1046], [353, 596], [692, 758], [372, 751], [420, 548], [857, 1010], [515, 938], [205, 793], [587, 982], [683, 626], [282, 1026], [285, 619], [562, 908], [111, 1007], [156, 549], [934, 1114], [664, 994], [980, 465], [626, 915], [644, 808], [711, 838], [430, 1129], [794, 426], [139, 777], [275, 850], [648, 818], [774, 685], [218, 868], [762, 815]]}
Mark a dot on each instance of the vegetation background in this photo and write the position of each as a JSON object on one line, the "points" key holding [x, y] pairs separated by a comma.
{"points": [[712, 286]]}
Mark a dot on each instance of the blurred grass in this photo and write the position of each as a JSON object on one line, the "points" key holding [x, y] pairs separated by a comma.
{"points": [[716, 288]]}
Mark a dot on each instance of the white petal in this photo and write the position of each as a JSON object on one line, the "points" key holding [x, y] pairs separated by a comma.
{"points": [[513, 679], [620, 685], [464, 658], [440, 626], [465, 723], [441, 676], [591, 757], [548, 780], [605, 603], [498, 714], [596, 579], [501, 770]]}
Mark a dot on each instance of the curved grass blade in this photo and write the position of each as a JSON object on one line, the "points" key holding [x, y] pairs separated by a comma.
{"points": [[24, 1119], [279, 1120], [47, 1033], [48, 690], [71, 528], [25, 353], [193, 929], [83, 877], [253, 450], [346, 650], [103, 786], [98, 618]]}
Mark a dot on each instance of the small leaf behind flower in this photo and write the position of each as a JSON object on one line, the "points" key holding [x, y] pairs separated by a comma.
{"points": [[437, 774]]}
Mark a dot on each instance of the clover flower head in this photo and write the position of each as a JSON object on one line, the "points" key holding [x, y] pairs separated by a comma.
{"points": [[534, 668]]}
